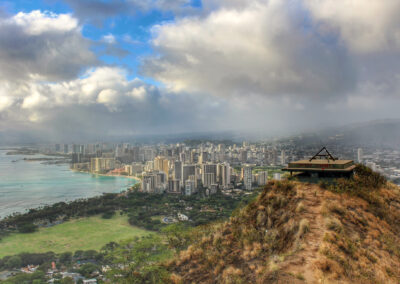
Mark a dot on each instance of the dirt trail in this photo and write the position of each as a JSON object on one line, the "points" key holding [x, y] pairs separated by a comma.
{"points": [[302, 263]]}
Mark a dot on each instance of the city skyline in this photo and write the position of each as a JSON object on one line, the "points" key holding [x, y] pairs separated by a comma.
{"points": [[99, 69]]}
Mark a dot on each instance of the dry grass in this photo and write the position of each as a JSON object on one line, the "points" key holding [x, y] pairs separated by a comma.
{"points": [[300, 207], [357, 239], [334, 224], [304, 227]]}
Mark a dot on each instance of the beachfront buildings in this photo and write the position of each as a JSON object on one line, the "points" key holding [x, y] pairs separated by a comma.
{"points": [[102, 165]]}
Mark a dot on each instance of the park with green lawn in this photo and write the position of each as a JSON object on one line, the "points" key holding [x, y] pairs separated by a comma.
{"points": [[90, 233]]}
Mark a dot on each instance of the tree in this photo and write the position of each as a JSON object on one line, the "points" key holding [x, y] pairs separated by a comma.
{"points": [[67, 280], [87, 269], [14, 262], [139, 260], [177, 235], [78, 254], [89, 254], [66, 258]]}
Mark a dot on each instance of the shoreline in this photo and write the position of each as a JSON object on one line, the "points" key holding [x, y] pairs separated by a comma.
{"points": [[108, 175]]}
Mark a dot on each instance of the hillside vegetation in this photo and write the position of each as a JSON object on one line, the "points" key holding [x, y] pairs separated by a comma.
{"points": [[297, 232]]}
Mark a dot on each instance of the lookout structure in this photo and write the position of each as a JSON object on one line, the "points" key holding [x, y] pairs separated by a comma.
{"points": [[322, 165]]}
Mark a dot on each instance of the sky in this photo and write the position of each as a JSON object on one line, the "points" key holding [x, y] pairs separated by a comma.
{"points": [[86, 69]]}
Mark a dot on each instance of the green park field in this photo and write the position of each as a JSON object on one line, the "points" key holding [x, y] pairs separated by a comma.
{"points": [[79, 234]]}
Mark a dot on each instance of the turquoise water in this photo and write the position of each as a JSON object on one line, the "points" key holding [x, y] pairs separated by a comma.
{"points": [[25, 185]]}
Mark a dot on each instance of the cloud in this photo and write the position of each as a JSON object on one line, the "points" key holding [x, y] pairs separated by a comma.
{"points": [[104, 101], [254, 65], [96, 11], [264, 48], [42, 46], [109, 38], [364, 26]]}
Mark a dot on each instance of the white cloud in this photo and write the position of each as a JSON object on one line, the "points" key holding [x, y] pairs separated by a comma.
{"points": [[5, 102], [37, 22], [34, 100], [109, 38]]}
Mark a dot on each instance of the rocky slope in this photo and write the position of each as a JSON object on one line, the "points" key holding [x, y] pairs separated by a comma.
{"points": [[302, 233]]}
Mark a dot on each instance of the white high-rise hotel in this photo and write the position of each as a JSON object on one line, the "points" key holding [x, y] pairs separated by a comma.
{"points": [[360, 155]]}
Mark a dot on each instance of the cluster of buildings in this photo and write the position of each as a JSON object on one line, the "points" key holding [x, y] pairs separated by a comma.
{"points": [[180, 168], [187, 168], [383, 161]]}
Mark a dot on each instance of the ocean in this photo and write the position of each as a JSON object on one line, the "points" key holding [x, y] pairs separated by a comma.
{"points": [[25, 185]]}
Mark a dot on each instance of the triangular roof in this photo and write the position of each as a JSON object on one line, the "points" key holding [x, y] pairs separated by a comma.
{"points": [[328, 155]]}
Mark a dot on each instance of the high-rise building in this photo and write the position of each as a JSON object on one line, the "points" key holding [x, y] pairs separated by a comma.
{"points": [[360, 155], [161, 164], [148, 154], [247, 177], [203, 158], [178, 170], [76, 158], [137, 168], [101, 165], [208, 179], [135, 153], [223, 174], [75, 148], [182, 157], [128, 169], [283, 157], [262, 178], [154, 182], [119, 151], [243, 156], [148, 183], [208, 174], [174, 186], [188, 170], [193, 157]]}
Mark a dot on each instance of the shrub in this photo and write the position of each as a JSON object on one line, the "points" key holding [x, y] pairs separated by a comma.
{"points": [[323, 184], [108, 214], [300, 207], [27, 228], [364, 181], [334, 225], [284, 186], [304, 227]]}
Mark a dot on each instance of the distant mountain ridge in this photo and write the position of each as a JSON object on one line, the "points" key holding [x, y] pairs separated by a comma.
{"points": [[378, 133]]}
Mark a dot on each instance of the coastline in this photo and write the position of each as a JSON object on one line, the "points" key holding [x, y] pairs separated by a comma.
{"points": [[108, 175]]}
